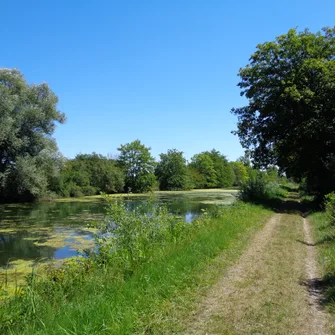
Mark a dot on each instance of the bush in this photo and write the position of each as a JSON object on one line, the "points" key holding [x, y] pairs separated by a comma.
{"points": [[253, 190], [256, 190], [130, 238], [89, 190], [330, 208]]}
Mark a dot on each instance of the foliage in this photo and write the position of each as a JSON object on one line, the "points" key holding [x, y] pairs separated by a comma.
{"points": [[224, 172], [131, 237], [205, 166], [172, 172], [29, 160], [257, 190], [214, 169], [139, 166], [240, 173], [289, 121], [330, 208], [90, 174], [98, 295]]}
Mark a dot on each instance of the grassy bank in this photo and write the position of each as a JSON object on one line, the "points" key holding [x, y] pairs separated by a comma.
{"points": [[186, 193], [324, 237], [152, 294]]}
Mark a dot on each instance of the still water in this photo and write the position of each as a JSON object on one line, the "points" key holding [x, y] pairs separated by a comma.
{"points": [[38, 232]]}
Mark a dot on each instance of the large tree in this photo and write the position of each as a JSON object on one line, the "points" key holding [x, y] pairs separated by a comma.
{"points": [[89, 174], [172, 171], [289, 121], [240, 172], [203, 165], [138, 165], [224, 171], [29, 160], [213, 170]]}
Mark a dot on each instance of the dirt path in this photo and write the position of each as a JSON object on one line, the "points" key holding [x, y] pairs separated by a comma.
{"points": [[270, 289]]}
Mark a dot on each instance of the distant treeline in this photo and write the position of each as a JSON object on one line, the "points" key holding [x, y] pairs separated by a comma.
{"points": [[31, 167], [135, 170]]}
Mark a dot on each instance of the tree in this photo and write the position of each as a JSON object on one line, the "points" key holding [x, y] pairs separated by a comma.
{"points": [[204, 164], [138, 165], [89, 174], [240, 172], [29, 159], [224, 171], [289, 121], [211, 169], [172, 171]]}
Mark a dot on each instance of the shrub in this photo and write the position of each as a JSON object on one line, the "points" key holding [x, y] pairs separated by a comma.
{"points": [[256, 190], [330, 208], [131, 237], [253, 190]]}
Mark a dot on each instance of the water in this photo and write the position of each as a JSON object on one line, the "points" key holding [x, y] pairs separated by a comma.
{"points": [[37, 232]]}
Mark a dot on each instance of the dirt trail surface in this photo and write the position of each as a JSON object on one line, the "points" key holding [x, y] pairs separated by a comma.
{"points": [[270, 290]]}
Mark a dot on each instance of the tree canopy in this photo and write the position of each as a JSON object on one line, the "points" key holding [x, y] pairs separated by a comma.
{"points": [[172, 171], [139, 166], [29, 159], [89, 174], [289, 121], [211, 169]]}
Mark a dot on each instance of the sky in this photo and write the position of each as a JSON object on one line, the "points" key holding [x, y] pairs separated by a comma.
{"points": [[162, 71]]}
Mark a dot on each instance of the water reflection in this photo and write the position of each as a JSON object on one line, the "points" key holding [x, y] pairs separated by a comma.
{"points": [[57, 230]]}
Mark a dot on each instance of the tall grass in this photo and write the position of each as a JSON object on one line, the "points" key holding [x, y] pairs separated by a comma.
{"points": [[324, 230], [146, 273]]}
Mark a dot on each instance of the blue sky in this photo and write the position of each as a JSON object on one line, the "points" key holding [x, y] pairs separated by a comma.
{"points": [[164, 72]]}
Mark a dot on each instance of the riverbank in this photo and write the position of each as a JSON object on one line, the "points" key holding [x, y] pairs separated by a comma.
{"points": [[155, 298], [154, 193], [37, 233]]}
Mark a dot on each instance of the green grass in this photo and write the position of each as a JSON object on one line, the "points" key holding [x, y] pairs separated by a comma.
{"points": [[155, 299], [324, 238]]}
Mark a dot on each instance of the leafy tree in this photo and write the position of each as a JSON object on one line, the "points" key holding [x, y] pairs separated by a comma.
{"points": [[204, 164], [224, 171], [289, 121], [198, 180], [271, 174], [245, 160], [90, 174], [213, 170], [172, 171], [29, 159], [138, 165], [240, 172]]}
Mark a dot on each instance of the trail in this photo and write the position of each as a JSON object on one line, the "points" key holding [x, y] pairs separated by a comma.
{"points": [[270, 290]]}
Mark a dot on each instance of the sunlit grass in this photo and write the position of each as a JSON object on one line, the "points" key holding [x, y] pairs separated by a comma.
{"points": [[155, 299]]}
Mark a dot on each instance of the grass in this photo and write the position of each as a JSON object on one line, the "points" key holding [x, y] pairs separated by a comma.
{"points": [[324, 237], [266, 297], [154, 299]]}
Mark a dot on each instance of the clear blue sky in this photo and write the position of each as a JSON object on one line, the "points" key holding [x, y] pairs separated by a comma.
{"points": [[162, 71]]}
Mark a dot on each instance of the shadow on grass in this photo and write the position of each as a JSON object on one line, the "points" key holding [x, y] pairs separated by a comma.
{"points": [[289, 205], [325, 286], [316, 290], [322, 290]]}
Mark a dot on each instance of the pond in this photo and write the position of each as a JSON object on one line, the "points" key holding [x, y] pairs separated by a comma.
{"points": [[33, 233]]}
